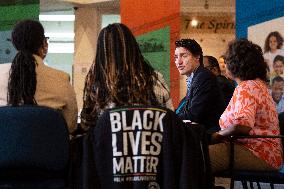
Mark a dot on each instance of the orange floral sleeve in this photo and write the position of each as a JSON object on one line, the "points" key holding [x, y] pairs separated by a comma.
{"points": [[252, 106]]}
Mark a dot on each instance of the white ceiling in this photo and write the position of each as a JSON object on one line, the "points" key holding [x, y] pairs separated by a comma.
{"points": [[186, 5], [59, 5]]}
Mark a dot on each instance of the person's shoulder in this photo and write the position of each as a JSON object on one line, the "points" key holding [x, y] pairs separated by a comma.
{"points": [[4, 65], [201, 70], [252, 86], [49, 71], [5, 68], [203, 73], [53, 73], [247, 84], [223, 79], [59, 73]]}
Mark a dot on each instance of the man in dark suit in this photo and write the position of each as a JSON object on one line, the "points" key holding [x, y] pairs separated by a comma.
{"points": [[204, 101]]}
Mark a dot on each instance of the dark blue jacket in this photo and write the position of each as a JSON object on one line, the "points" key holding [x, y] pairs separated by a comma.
{"points": [[204, 103]]}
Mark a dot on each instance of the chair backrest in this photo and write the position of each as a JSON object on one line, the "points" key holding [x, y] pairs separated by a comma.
{"points": [[144, 147], [33, 138]]}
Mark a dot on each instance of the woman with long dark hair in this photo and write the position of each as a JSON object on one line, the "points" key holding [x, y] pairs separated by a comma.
{"points": [[120, 76], [33, 83]]}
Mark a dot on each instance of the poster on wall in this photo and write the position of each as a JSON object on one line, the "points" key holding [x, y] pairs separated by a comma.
{"points": [[10, 13], [269, 36], [155, 47]]}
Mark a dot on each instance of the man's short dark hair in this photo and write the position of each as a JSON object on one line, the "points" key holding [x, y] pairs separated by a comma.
{"points": [[192, 46]]}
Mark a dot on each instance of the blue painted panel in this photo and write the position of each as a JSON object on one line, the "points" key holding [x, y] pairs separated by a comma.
{"points": [[251, 12]]}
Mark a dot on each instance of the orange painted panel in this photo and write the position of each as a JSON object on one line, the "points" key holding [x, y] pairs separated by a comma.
{"points": [[136, 13], [143, 16]]}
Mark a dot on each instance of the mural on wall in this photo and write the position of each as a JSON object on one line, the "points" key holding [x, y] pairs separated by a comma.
{"points": [[10, 13], [269, 36], [155, 47]]}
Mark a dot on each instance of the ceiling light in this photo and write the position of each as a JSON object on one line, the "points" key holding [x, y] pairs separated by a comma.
{"points": [[194, 22]]}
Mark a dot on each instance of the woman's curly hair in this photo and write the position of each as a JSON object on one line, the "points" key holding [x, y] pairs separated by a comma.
{"points": [[244, 60]]}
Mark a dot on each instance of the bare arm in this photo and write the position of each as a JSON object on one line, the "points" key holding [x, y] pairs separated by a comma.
{"points": [[222, 135]]}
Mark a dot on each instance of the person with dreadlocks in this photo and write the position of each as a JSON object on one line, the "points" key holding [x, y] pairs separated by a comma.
{"points": [[31, 82], [120, 76]]}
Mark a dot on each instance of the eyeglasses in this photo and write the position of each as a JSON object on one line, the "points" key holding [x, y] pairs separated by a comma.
{"points": [[47, 39]]}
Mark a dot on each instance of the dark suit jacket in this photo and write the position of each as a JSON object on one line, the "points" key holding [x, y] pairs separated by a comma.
{"points": [[204, 103]]}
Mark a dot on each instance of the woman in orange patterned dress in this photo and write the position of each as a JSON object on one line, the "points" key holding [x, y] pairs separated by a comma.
{"points": [[251, 111]]}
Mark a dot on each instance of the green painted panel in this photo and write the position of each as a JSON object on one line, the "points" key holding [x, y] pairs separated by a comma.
{"points": [[14, 2], [9, 15], [155, 47], [11, 12]]}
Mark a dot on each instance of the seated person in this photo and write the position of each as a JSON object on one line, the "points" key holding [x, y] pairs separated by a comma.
{"points": [[277, 89], [226, 86], [120, 76], [251, 111], [30, 82], [222, 65], [204, 102]]}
